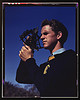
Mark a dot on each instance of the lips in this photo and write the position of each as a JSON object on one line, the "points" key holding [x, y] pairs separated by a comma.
{"points": [[44, 42]]}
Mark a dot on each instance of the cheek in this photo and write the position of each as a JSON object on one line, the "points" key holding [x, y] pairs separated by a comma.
{"points": [[52, 39]]}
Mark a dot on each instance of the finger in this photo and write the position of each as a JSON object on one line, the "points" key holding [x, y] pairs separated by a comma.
{"points": [[24, 47], [19, 52], [24, 43], [21, 55], [22, 50], [22, 58], [27, 46]]}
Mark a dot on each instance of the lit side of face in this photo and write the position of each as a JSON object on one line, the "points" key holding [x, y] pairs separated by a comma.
{"points": [[48, 37]]}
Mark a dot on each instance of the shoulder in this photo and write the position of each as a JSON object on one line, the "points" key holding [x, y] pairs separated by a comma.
{"points": [[67, 54], [68, 57], [66, 61], [70, 54]]}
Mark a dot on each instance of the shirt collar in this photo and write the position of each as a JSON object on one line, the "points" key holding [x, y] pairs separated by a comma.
{"points": [[59, 51]]}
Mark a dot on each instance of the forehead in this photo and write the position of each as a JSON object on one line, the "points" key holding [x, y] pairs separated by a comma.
{"points": [[46, 28]]}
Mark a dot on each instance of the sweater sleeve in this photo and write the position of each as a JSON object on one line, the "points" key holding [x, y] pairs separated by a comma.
{"points": [[27, 71]]}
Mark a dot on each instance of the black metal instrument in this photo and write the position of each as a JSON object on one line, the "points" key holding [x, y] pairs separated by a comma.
{"points": [[31, 38]]}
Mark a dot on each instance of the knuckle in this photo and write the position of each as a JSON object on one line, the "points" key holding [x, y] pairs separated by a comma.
{"points": [[30, 50], [19, 55], [23, 47], [21, 50]]}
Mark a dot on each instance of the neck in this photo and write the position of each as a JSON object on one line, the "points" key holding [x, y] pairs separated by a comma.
{"points": [[58, 46]]}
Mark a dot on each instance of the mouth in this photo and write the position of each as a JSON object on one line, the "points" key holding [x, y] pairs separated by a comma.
{"points": [[44, 42]]}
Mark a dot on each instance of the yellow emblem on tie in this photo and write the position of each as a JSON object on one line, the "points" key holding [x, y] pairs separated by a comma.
{"points": [[45, 70], [50, 58]]}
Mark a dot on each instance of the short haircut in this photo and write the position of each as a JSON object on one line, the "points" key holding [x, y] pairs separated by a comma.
{"points": [[56, 27]]}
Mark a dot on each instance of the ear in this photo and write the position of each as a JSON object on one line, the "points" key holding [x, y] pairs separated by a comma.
{"points": [[59, 35]]}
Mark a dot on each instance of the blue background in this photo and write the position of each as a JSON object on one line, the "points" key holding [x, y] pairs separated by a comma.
{"points": [[20, 18]]}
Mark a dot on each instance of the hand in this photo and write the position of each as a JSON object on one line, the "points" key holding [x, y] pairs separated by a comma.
{"points": [[25, 53]]}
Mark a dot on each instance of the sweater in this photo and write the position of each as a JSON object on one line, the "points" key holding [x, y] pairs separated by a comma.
{"points": [[54, 78]]}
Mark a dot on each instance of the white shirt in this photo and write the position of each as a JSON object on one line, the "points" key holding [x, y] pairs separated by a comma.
{"points": [[59, 51]]}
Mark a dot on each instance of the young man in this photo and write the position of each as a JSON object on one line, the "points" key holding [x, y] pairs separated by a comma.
{"points": [[57, 76]]}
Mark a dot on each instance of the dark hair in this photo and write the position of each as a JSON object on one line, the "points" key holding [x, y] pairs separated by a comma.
{"points": [[56, 27]]}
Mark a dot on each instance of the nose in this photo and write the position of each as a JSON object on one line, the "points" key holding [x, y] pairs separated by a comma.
{"points": [[42, 37]]}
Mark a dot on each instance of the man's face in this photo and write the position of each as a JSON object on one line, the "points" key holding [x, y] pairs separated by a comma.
{"points": [[48, 37]]}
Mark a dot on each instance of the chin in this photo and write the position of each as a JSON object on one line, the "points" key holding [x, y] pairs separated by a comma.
{"points": [[46, 47]]}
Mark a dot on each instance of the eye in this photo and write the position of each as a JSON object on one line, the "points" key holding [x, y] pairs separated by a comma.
{"points": [[45, 33]]}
